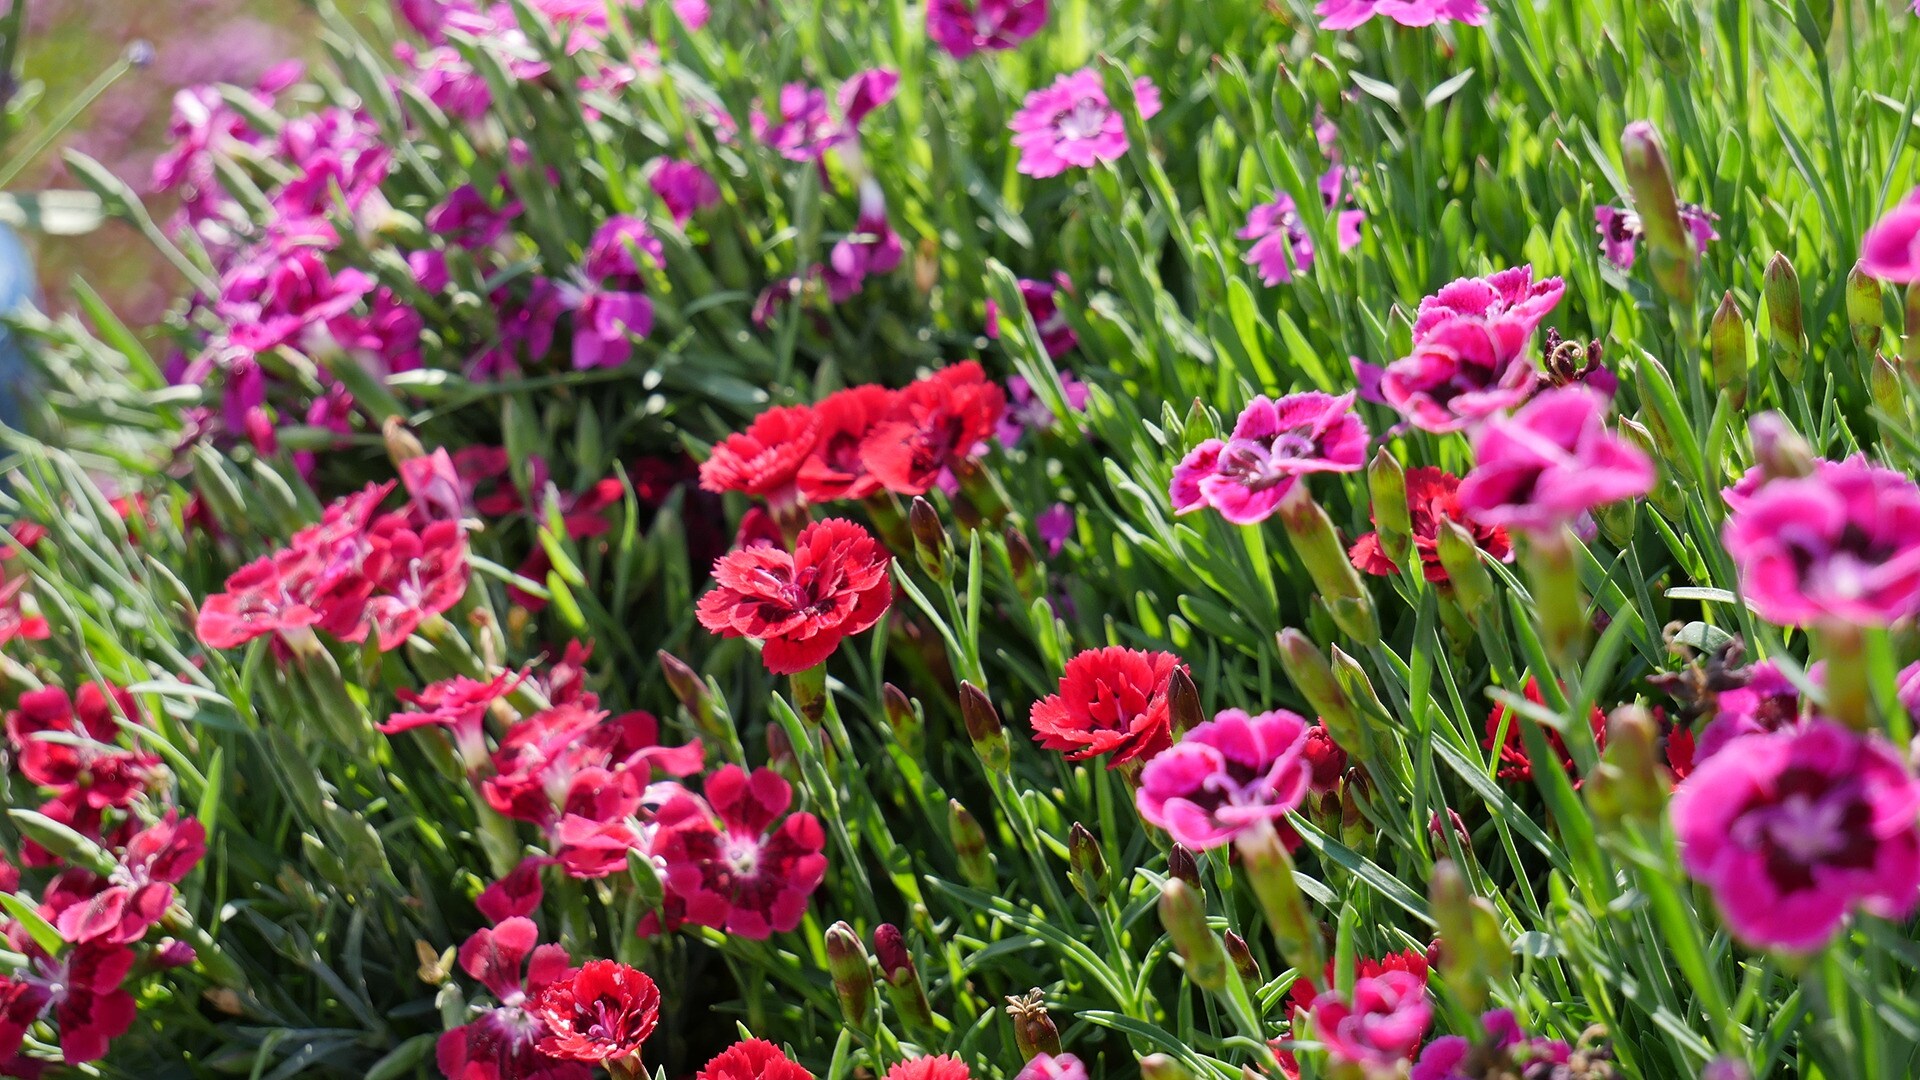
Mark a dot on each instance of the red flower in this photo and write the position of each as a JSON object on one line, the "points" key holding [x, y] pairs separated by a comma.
{"points": [[835, 469], [802, 604], [1111, 701], [516, 894], [79, 990], [1514, 762], [765, 459], [15, 623], [503, 1041], [458, 704], [934, 423], [753, 1059], [97, 771], [602, 1013], [322, 579], [1326, 758], [120, 908], [1412, 961], [425, 574], [572, 759], [944, 1067], [739, 873], [1432, 497]]}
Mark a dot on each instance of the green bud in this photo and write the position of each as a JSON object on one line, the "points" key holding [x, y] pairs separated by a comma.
{"points": [[1665, 497], [1727, 345], [969, 846], [1848, 680], [1162, 1067], [1629, 783], [1885, 383], [852, 974], [989, 736], [1650, 180], [1313, 676], [1473, 951], [1183, 702], [1028, 577], [1034, 1031], [1864, 314], [687, 687], [1784, 319], [1471, 581], [930, 543], [1270, 869], [1558, 601], [1321, 552], [1184, 913], [1086, 865], [1392, 520], [1778, 449], [1616, 521], [1242, 958]]}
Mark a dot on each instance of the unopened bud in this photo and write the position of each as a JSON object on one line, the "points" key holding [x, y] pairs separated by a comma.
{"points": [[1026, 566], [969, 846], [1183, 702], [1320, 551], [1392, 518], [1471, 581], [688, 689], [1911, 310], [1778, 449], [852, 974], [902, 717], [1313, 676], [1650, 180], [1437, 834], [401, 443], [1665, 495], [984, 728], [1087, 866], [1727, 345], [1355, 830], [1864, 313], [902, 978], [1034, 1031], [1182, 866], [1884, 383], [1629, 782], [1184, 913], [1784, 320], [1476, 952], [930, 543], [1270, 869], [809, 689], [1162, 1067], [1242, 957]]}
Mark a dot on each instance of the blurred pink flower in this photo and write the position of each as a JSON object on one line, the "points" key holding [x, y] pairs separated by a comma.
{"points": [[1282, 244], [1380, 1025], [964, 27], [867, 91], [1042, 302], [1552, 461], [873, 248], [799, 125], [1347, 14], [1841, 544], [684, 187], [1890, 250], [1072, 125]]}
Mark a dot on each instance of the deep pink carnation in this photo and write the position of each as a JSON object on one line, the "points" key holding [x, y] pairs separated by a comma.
{"points": [[1544, 466], [764, 459], [1768, 702], [728, 864], [1282, 245], [1380, 1026], [1046, 1066], [459, 705], [1890, 250], [1226, 775], [1273, 444], [684, 187], [802, 604], [964, 27], [1461, 371], [503, 1040], [1798, 828], [1347, 14], [1841, 544], [601, 1013], [1111, 701], [1072, 125], [798, 125], [1510, 301]]}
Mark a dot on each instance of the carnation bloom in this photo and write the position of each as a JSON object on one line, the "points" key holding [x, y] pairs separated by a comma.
{"points": [[866, 92], [1042, 301], [1507, 1049], [599, 1014], [1413, 962], [1225, 776], [79, 991], [1347, 14], [765, 459], [458, 704], [1379, 1025], [728, 865], [1768, 702], [502, 1040], [1462, 370], [1509, 301], [1620, 231], [964, 27], [518, 893], [1071, 124], [1842, 544], [684, 187], [1890, 250], [1111, 701], [1046, 1066], [934, 423], [835, 469], [70, 743], [1798, 828], [753, 1059], [1273, 444], [572, 759], [800, 605], [1515, 764], [798, 125], [1552, 461], [119, 907], [1432, 498], [1282, 244]]}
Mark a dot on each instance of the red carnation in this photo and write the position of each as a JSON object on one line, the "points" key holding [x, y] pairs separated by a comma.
{"points": [[944, 1067], [517, 894], [97, 769], [1111, 700], [119, 909], [765, 459], [458, 704], [15, 623], [728, 866], [501, 1041], [1514, 762], [79, 990], [1432, 497], [1326, 758], [753, 1059], [835, 469], [424, 574], [1412, 961], [602, 1013], [834, 583], [934, 423]]}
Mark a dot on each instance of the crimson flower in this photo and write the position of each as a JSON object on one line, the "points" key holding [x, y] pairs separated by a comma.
{"points": [[800, 604], [944, 1067], [1514, 762], [573, 759], [935, 422], [458, 704], [753, 1059], [728, 866], [503, 1040], [79, 990], [1411, 961], [119, 908], [1111, 701], [599, 1014], [765, 459], [15, 623], [1433, 496], [97, 770], [835, 470], [516, 894]]}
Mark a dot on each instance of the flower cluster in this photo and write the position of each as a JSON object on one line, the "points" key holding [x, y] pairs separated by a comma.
{"points": [[1469, 360]]}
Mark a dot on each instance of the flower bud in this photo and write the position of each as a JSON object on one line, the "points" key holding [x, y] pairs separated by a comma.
{"points": [[1665, 495], [902, 717], [984, 728], [1181, 865], [1034, 1031], [1475, 952], [1392, 519], [1864, 314], [1270, 869], [1320, 551], [688, 688], [1784, 320], [930, 543], [1183, 702], [1313, 676], [1778, 449], [1629, 782], [1242, 957], [1472, 582], [902, 978], [1650, 180], [401, 443], [1727, 346], [1162, 1067], [969, 846], [1558, 601], [1086, 865], [1885, 384], [1027, 576], [852, 974], [1355, 830], [1184, 913]]}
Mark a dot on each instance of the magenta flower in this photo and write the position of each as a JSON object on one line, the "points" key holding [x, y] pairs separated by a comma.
{"points": [[1043, 303], [1620, 231], [800, 126], [873, 247], [1799, 828], [1508, 1050], [867, 91], [1347, 14], [1281, 243], [1071, 125], [1510, 301], [1381, 1026], [1055, 526], [684, 187], [1053, 1067], [1842, 544], [1890, 250], [1554, 460], [1769, 702], [1463, 369], [1026, 412], [1274, 442], [965, 27], [1227, 775]]}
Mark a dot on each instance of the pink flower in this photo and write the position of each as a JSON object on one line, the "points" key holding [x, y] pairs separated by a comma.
{"points": [[1798, 828], [684, 187], [964, 27], [1027, 412], [1042, 302], [503, 1041], [1508, 1050], [873, 247], [1841, 544], [1462, 370], [1226, 775], [1112, 700], [1072, 125], [1053, 1067], [119, 908], [1054, 526], [1768, 702], [1282, 244], [799, 125], [1510, 301], [518, 893], [728, 865], [79, 990], [573, 759], [283, 288], [1890, 250], [1381, 1026], [867, 91], [1273, 443], [1620, 231], [1347, 14], [468, 220], [1552, 461], [458, 704]]}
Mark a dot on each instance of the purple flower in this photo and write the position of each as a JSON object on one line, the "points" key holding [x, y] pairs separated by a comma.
{"points": [[1769, 702], [609, 307], [1042, 300], [1890, 250], [1799, 828], [684, 187], [1053, 1067], [617, 246], [867, 91], [1026, 411], [1507, 1048], [284, 287], [964, 27], [1273, 442], [801, 127], [1381, 1026], [1072, 125], [444, 77], [873, 248], [1347, 14], [1055, 526], [1842, 544], [1282, 244], [1226, 776], [333, 153], [387, 339], [466, 218], [1620, 231], [1544, 466]]}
